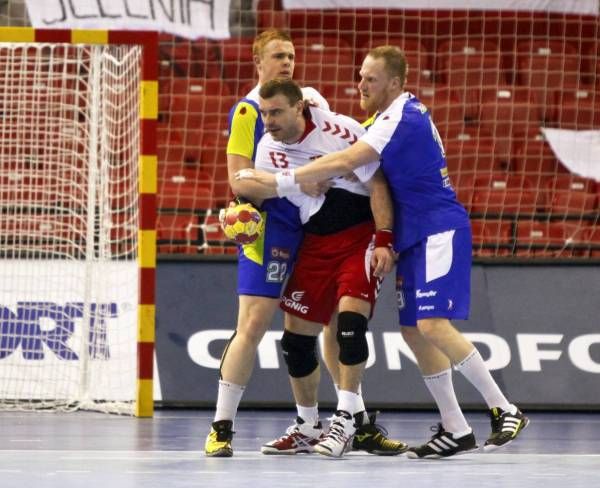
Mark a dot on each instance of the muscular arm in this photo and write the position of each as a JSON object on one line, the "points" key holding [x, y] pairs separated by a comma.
{"points": [[381, 201], [335, 164], [382, 259], [252, 190]]}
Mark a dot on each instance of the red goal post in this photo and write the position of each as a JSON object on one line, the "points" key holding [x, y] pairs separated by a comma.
{"points": [[78, 181]]}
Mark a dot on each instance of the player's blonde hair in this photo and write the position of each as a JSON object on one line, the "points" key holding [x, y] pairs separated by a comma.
{"points": [[394, 60], [267, 36]]}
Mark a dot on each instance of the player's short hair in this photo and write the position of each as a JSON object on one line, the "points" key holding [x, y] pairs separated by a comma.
{"points": [[394, 60], [267, 36], [289, 88]]}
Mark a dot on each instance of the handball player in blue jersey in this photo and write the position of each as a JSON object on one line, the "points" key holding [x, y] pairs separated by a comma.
{"points": [[433, 238]]}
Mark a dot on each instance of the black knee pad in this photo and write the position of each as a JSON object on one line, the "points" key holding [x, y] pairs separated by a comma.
{"points": [[300, 353], [351, 336]]}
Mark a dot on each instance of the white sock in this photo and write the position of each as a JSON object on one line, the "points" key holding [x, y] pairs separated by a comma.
{"points": [[348, 401], [474, 369], [228, 400], [309, 414], [442, 390], [361, 402]]}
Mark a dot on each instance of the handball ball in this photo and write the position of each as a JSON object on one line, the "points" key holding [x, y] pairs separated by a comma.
{"points": [[242, 223]]}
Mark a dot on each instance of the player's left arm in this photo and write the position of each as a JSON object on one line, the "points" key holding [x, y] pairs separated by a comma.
{"points": [[334, 164], [382, 207]]}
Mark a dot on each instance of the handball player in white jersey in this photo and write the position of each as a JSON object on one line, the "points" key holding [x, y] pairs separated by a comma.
{"points": [[339, 266]]}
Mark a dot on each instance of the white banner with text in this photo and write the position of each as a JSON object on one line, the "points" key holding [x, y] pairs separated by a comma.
{"points": [[567, 6], [186, 18]]}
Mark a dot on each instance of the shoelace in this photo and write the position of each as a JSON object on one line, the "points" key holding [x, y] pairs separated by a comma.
{"points": [[438, 429], [336, 432]]}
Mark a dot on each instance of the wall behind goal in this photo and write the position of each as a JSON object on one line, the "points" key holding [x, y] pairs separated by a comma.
{"points": [[538, 328]]}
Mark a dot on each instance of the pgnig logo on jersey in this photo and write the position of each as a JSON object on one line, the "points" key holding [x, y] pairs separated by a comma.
{"points": [[293, 302]]}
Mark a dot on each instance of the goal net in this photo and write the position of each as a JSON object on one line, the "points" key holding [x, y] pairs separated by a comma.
{"points": [[499, 84], [69, 224]]}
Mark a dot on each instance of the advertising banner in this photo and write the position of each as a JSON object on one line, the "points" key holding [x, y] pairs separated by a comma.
{"points": [[47, 309], [185, 18], [537, 328], [566, 6]]}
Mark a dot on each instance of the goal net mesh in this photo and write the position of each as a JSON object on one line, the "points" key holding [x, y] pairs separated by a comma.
{"points": [[69, 151], [515, 95]]}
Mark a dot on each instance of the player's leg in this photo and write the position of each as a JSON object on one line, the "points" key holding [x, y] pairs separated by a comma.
{"points": [[453, 433], [299, 345], [451, 282], [237, 362], [262, 268]]}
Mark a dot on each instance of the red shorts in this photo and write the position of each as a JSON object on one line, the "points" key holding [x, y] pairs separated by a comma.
{"points": [[329, 268]]}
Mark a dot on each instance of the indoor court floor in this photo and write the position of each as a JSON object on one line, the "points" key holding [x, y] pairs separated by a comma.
{"points": [[90, 450]]}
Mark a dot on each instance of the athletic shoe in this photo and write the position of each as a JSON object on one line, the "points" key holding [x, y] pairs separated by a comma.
{"points": [[339, 438], [505, 428], [298, 438], [443, 444], [372, 438], [218, 441]]}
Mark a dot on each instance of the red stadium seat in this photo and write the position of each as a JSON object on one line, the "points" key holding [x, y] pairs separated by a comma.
{"points": [[196, 86], [570, 194], [551, 239], [175, 227], [577, 109], [507, 110], [342, 89], [503, 193], [238, 63], [349, 107], [328, 68], [547, 64], [184, 58], [185, 195], [492, 237], [594, 240], [471, 156], [446, 111]]}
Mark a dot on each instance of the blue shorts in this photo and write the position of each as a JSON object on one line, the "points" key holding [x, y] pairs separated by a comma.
{"points": [[264, 265], [433, 278]]}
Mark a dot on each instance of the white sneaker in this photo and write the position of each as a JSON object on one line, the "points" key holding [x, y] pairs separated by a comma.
{"points": [[339, 438], [298, 438]]}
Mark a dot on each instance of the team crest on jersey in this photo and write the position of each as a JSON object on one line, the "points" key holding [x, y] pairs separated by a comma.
{"points": [[421, 108], [242, 111]]}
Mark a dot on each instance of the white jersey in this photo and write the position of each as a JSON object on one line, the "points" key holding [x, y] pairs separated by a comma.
{"points": [[326, 132], [308, 92]]}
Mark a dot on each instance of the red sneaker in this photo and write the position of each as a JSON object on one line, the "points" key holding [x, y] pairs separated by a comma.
{"points": [[298, 438]]}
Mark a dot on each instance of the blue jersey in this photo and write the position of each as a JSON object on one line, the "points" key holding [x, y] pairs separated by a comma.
{"points": [[414, 164]]}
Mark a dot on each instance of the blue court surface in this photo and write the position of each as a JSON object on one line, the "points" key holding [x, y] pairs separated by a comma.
{"points": [[90, 450]]}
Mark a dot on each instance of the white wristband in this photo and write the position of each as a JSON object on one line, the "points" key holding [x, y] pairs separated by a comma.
{"points": [[286, 183]]}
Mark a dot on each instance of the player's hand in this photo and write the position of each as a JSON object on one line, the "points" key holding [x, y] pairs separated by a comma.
{"points": [[351, 177], [316, 189], [382, 261], [257, 175], [223, 213]]}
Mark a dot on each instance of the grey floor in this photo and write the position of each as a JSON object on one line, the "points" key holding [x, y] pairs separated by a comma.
{"points": [[90, 450]]}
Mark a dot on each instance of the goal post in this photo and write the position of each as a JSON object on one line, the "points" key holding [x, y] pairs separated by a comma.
{"points": [[78, 181]]}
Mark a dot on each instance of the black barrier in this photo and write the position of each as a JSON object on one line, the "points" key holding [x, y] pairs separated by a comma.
{"points": [[538, 328]]}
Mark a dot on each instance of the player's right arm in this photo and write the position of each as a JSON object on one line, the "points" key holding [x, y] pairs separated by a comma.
{"points": [[241, 149]]}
